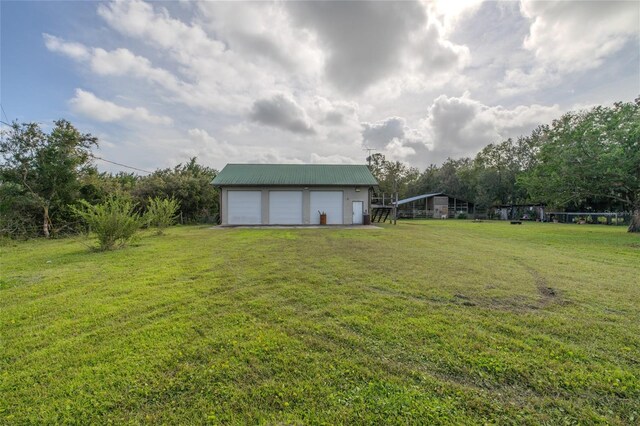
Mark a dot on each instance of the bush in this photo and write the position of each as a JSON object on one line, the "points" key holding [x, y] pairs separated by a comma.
{"points": [[189, 183], [161, 213], [114, 221], [462, 216]]}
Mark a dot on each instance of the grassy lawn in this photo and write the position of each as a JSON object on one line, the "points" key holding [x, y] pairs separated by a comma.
{"points": [[429, 321]]}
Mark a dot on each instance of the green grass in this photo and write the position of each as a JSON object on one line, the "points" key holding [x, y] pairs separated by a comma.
{"points": [[449, 322]]}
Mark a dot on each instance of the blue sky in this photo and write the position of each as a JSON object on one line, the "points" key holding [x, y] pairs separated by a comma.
{"points": [[36, 85], [311, 82]]}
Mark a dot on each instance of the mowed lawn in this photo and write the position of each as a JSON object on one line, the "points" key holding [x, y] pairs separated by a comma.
{"points": [[449, 322]]}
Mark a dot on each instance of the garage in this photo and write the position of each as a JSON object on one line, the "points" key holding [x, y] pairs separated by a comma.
{"points": [[244, 207], [285, 207], [329, 202], [293, 194]]}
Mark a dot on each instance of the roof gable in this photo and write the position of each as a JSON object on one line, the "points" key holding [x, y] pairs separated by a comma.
{"points": [[294, 174]]}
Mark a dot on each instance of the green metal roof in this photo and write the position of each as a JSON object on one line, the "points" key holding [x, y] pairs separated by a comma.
{"points": [[294, 174]]}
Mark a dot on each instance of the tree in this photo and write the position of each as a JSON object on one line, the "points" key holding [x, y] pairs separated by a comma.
{"points": [[427, 182], [40, 172], [189, 184], [497, 167], [392, 176], [456, 178], [590, 156], [96, 187]]}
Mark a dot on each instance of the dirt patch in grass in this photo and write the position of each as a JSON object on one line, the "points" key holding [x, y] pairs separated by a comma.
{"points": [[465, 300], [547, 294]]}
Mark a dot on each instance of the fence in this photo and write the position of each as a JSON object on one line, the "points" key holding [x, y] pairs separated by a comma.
{"points": [[430, 214], [602, 218]]}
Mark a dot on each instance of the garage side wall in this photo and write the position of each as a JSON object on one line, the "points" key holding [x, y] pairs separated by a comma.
{"points": [[349, 195]]}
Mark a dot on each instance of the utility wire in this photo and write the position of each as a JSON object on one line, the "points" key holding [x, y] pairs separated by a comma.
{"points": [[120, 164], [4, 113], [93, 156]]}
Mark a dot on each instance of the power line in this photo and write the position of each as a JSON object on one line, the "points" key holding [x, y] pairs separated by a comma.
{"points": [[120, 164], [4, 113], [92, 156]]}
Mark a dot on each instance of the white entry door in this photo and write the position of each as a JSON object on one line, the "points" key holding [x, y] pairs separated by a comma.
{"points": [[285, 207], [329, 202], [358, 211], [244, 207]]}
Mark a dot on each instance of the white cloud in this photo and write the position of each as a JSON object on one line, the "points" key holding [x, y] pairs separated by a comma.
{"points": [[455, 127], [221, 78], [208, 148], [398, 149], [379, 135], [337, 113], [461, 126], [89, 105], [331, 159], [569, 37], [76, 51], [517, 81], [369, 42], [122, 62], [282, 112], [394, 138], [139, 19], [576, 36], [265, 33], [314, 82], [451, 13]]}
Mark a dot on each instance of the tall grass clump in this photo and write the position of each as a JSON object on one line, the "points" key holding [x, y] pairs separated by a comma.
{"points": [[161, 213], [114, 222]]}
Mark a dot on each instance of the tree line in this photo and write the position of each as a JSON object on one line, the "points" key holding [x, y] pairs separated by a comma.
{"points": [[45, 177], [587, 159], [584, 160]]}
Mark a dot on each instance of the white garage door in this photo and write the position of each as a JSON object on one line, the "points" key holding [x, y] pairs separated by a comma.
{"points": [[244, 207], [285, 207], [329, 202]]}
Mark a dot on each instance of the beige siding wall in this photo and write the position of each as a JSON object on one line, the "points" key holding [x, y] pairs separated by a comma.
{"points": [[349, 195]]}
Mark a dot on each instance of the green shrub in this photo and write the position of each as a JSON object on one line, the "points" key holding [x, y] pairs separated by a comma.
{"points": [[161, 213], [462, 216], [115, 221]]}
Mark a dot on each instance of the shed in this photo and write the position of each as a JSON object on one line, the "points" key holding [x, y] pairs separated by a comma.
{"points": [[294, 194], [433, 205]]}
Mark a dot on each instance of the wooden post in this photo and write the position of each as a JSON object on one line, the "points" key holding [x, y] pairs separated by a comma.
{"points": [[395, 217], [395, 203]]}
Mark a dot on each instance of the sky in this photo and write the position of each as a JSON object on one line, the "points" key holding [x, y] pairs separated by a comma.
{"points": [[311, 82]]}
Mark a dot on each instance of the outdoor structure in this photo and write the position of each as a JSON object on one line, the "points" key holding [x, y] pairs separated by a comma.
{"points": [[590, 217], [520, 212], [294, 194], [435, 205], [383, 207]]}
